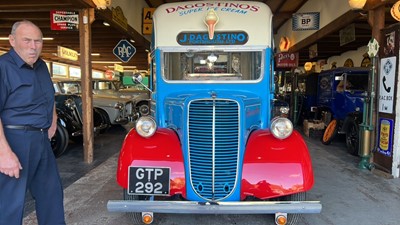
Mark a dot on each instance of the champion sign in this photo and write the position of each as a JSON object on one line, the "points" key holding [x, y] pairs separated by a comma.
{"points": [[124, 50], [64, 20]]}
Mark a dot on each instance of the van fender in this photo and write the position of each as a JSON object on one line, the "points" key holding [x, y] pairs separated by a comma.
{"points": [[163, 149], [274, 167]]}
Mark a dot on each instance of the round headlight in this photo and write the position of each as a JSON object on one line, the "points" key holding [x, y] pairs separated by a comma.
{"points": [[70, 103], [284, 109], [281, 127], [146, 126], [119, 106], [144, 110]]}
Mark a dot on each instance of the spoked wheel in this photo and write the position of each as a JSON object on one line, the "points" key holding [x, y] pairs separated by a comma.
{"points": [[330, 132], [136, 217], [293, 219], [352, 138], [59, 142]]}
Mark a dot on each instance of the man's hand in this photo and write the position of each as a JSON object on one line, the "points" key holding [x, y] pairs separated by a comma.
{"points": [[53, 127], [9, 163]]}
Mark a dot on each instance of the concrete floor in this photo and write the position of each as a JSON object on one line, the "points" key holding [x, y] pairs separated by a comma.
{"points": [[349, 196]]}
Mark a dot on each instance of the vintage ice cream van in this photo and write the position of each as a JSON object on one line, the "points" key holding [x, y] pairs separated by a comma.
{"points": [[212, 144]]}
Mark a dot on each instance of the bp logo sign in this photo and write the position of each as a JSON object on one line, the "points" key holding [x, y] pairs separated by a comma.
{"points": [[124, 50]]}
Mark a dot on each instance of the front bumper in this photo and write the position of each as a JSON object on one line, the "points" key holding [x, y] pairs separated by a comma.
{"points": [[186, 207]]}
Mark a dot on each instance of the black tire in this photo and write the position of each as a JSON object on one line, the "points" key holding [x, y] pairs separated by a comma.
{"points": [[293, 219], [330, 132], [105, 119], [136, 217], [59, 142], [352, 138]]}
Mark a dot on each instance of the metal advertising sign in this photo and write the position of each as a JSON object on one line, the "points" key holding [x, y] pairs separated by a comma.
{"points": [[385, 136], [305, 21], [386, 84], [287, 60], [124, 50], [64, 20]]}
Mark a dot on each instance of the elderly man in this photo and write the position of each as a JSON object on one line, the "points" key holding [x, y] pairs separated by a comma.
{"points": [[27, 122]]}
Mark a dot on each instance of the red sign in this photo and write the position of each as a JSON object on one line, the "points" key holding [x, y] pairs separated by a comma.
{"points": [[109, 74], [287, 60], [64, 20]]}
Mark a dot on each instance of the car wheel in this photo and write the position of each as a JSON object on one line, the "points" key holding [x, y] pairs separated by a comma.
{"points": [[352, 138], [330, 132], [136, 217], [59, 142], [105, 119], [294, 218]]}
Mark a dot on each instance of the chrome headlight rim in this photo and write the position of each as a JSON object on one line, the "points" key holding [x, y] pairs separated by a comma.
{"points": [[144, 110], [284, 110], [281, 127], [146, 126], [70, 103], [119, 106]]}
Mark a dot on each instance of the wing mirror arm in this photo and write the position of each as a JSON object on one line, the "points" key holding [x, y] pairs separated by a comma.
{"points": [[137, 79]]}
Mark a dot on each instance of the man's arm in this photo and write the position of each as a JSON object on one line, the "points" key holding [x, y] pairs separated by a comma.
{"points": [[53, 127], [9, 163]]}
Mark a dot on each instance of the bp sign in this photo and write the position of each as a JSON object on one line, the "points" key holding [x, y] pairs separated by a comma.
{"points": [[124, 50]]}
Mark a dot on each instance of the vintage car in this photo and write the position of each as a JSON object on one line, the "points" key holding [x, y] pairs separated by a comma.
{"points": [[115, 110], [340, 102], [69, 121], [137, 93]]}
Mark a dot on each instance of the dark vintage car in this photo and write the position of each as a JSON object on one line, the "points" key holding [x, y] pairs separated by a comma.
{"points": [[69, 122]]}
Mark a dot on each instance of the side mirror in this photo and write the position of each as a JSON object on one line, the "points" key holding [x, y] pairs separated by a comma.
{"points": [[137, 78]]}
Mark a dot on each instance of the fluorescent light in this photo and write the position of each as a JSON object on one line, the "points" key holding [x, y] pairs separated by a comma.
{"points": [[105, 62], [93, 54], [45, 38]]}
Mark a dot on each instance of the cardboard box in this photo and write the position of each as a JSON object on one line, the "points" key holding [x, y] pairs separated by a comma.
{"points": [[317, 127]]}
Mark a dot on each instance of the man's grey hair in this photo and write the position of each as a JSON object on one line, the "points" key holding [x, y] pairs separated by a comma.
{"points": [[18, 23]]}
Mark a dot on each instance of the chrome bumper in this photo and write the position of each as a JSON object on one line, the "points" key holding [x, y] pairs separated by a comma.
{"points": [[186, 207]]}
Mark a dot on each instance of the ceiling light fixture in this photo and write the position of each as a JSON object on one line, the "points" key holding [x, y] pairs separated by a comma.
{"points": [[102, 4], [357, 4], [284, 44], [395, 11], [106, 24]]}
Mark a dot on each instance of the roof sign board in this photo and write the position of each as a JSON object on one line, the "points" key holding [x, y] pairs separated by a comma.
{"points": [[67, 53], [124, 50], [305, 21]]}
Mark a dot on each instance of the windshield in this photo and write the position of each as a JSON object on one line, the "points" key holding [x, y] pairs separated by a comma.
{"points": [[212, 65], [73, 87]]}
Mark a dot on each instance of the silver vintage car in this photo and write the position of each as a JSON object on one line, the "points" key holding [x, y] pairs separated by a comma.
{"points": [[116, 110]]}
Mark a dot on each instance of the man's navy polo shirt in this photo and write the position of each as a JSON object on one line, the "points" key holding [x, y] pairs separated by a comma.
{"points": [[26, 93]]}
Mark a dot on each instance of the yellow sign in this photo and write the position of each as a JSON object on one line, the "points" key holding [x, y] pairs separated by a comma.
{"points": [[67, 53], [147, 28], [118, 68], [148, 20]]}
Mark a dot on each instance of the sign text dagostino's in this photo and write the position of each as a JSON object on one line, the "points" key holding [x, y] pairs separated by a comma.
{"points": [[205, 6]]}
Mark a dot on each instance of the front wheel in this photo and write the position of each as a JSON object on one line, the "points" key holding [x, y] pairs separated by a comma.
{"points": [[59, 142], [352, 138], [136, 217], [330, 132]]}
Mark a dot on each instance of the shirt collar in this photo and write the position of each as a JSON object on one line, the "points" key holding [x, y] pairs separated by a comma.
{"points": [[18, 60]]}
